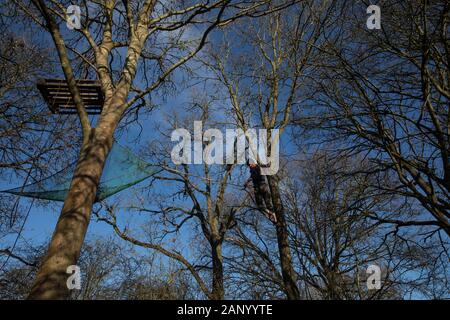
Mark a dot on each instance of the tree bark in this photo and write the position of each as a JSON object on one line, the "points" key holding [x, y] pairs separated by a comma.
{"points": [[217, 279], [65, 245], [287, 270]]}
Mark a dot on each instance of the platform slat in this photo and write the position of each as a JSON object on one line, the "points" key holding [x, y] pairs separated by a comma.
{"points": [[59, 99]]}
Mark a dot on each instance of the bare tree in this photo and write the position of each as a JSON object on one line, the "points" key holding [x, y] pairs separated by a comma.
{"points": [[263, 84], [200, 201], [108, 29], [333, 239], [386, 96], [29, 138], [109, 270]]}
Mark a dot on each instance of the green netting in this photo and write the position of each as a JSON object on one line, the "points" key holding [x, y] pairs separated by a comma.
{"points": [[122, 170]]}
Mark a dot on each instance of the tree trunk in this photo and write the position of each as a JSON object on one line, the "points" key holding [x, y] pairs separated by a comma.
{"points": [[217, 279], [287, 270], [65, 245]]}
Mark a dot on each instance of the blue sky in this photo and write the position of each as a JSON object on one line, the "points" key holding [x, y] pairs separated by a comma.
{"points": [[42, 218]]}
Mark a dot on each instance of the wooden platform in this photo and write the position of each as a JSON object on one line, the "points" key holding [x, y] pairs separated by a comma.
{"points": [[57, 95]]}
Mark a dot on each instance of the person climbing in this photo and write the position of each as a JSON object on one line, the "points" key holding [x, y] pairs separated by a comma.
{"points": [[261, 190]]}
